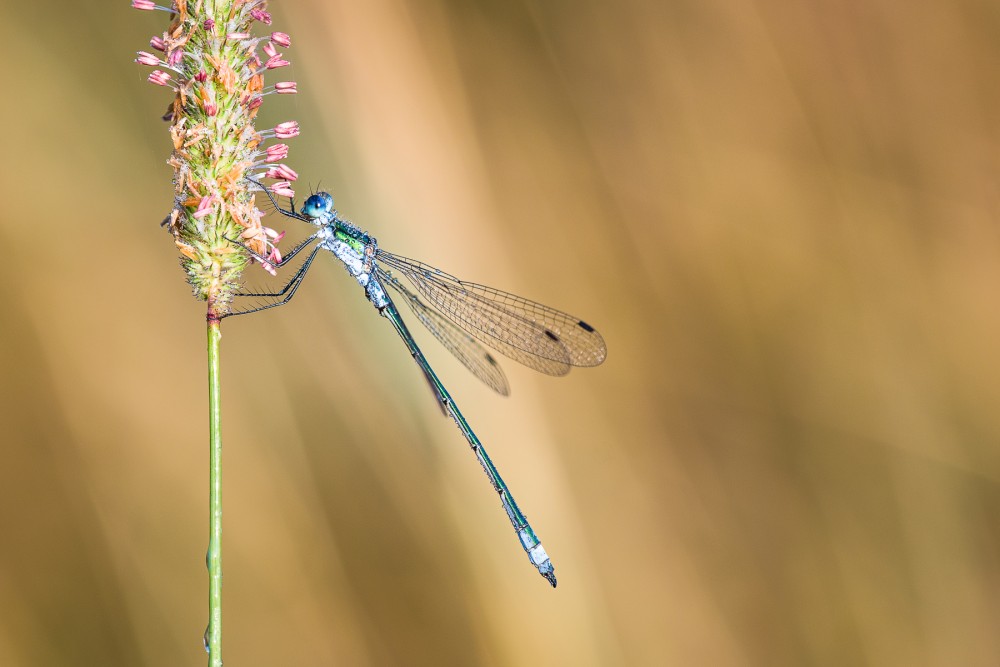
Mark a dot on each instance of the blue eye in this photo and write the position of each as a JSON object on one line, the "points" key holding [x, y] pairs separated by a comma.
{"points": [[317, 205]]}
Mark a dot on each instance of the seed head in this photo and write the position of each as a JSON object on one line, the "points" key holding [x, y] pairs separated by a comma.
{"points": [[212, 63]]}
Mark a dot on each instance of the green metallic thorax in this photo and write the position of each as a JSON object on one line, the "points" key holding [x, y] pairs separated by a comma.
{"points": [[351, 235]]}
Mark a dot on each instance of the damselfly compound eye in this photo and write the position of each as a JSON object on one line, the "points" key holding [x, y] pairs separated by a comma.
{"points": [[317, 205]]}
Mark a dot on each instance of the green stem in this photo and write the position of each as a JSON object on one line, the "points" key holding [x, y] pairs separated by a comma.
{"points": [[213, 635]]}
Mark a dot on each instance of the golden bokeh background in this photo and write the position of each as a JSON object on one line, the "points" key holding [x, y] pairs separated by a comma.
{"points": [[783, 217]]}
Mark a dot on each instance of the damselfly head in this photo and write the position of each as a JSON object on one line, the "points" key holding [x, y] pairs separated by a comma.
{"points": [[318, 205]]}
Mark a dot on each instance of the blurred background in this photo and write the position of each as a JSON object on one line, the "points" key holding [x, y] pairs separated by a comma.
{"points": [[781, 216]]}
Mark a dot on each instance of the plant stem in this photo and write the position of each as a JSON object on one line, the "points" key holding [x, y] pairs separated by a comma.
{"points": [[213, 636]]}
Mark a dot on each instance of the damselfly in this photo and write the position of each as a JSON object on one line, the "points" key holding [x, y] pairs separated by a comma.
{"points": [[466, 315]]}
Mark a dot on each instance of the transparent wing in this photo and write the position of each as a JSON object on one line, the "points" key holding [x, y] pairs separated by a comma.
{"points": [[465, 348], [539, 337]]}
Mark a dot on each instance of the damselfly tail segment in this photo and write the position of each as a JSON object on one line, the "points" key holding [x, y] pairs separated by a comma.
{"points": [[529, 541]]}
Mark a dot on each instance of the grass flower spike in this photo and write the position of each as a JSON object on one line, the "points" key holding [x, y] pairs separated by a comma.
{"points": [[215, 65]]}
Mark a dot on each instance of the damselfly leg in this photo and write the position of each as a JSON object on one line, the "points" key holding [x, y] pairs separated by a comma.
{"points": [[288, 291]]}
